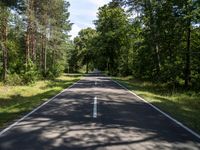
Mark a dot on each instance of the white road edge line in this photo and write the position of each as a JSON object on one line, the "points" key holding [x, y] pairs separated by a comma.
{"points": [[37, 108], [95, 108], [166, 115]]}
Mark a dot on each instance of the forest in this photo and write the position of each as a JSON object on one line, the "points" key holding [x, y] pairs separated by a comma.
{"points": [[147, 39], [34, 39]]}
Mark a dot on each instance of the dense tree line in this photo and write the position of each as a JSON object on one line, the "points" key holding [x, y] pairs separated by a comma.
{"points": [[148, 39], [152, 40], [34, 39]]}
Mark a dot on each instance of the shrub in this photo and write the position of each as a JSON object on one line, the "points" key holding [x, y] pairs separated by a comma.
{"points": [[30, 74], [14, 79], [55, 71]]}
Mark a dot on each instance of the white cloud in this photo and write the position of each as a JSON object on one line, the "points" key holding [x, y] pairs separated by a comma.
{"points": [[74, 31], [99, 3], [83, 13]]}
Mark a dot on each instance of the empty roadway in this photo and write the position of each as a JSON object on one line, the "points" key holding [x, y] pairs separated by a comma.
{"points": [[122, 122]]}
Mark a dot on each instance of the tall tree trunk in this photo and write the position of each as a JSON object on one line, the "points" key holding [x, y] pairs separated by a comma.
{"points": [[154, 34], [87, 67], [87, 61], [30, 34], [5, 60], [33, 43], [44, 55], [108, 65], [45, 40], [53, 57], [27, 44], [187, 62], [158, 58], [3, 39], [127, 61]]}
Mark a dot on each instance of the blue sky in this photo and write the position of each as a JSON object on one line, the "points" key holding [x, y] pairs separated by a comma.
{"points": [[83, 12]]}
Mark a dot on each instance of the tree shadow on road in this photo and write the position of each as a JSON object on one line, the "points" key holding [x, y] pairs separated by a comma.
{"points": [[123, 122]]}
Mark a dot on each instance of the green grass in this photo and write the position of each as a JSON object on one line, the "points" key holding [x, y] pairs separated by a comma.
{"points": [[18, 100], [182, 105]]}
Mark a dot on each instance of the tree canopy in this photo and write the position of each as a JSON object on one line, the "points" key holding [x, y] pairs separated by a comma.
{"points": [[147, 39], [34, 38], [152, 40]]}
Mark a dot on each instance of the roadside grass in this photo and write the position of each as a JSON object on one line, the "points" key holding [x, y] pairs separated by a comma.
{"points": [[182, 105], [18, 100]]}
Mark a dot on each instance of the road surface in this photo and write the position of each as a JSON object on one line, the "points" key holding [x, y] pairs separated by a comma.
{"points": [[97, 114]]}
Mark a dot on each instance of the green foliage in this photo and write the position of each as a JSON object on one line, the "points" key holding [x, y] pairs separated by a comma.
{"points": [[73, 60], [55, 71], [83, 49], [14, 79], [29, 74], [160, 42], [152, 40], [112, 27], [36, 39]]}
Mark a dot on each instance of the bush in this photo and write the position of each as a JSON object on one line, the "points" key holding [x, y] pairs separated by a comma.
{"points": [[30, 74], [55, 71], [14, 79], [29, 77]]}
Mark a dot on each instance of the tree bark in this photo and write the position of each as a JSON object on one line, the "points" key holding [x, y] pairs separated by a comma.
{"points": [[154, 35], [5, 60], [187, 62], [158, 58], [33, 43], [3, 37], [27, 44], [87, 61], [44, 55], [87, 67], [30, 34]]}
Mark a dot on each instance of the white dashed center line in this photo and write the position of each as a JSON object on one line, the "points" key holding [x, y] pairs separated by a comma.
{"points": [[95, 108]]}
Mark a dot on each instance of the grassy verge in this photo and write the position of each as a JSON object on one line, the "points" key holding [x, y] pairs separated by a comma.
{"points": [[18, 100], [182, 105]]}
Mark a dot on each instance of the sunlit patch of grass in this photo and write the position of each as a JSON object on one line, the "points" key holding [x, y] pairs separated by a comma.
{"points": [[182, 105], [17, 100]]}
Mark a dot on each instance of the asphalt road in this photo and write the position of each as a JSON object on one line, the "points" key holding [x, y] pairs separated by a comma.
{"points": [[122, 122]]}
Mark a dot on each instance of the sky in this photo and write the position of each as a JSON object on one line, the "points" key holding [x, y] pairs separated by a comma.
{"points": [[83, 13]]}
